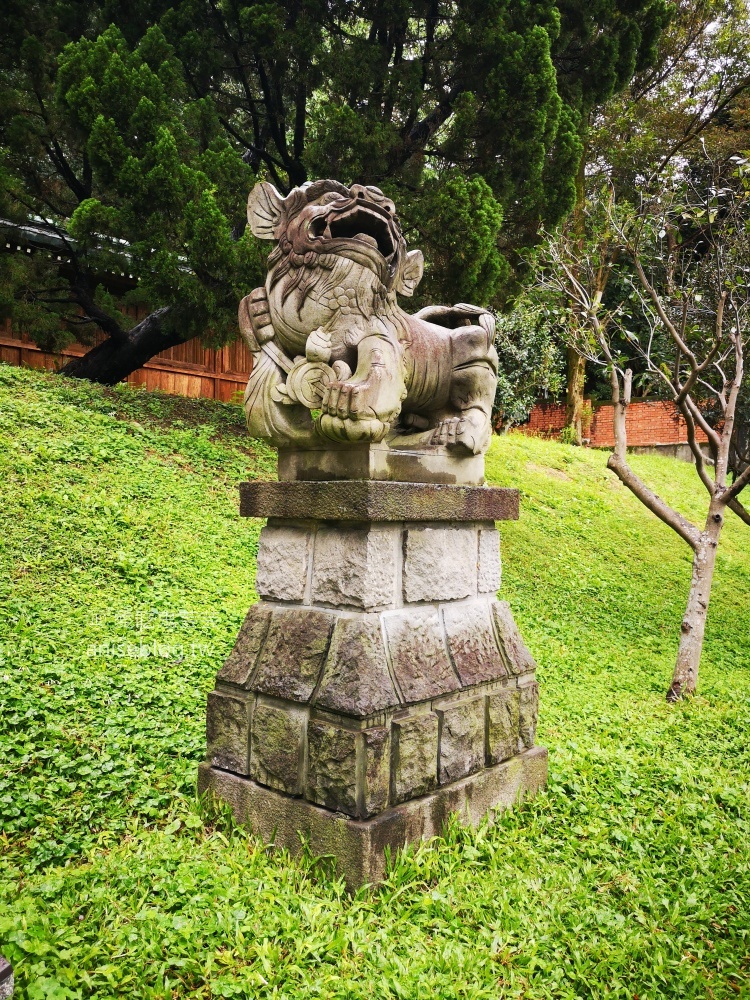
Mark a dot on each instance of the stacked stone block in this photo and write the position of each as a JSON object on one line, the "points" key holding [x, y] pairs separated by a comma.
{"points": [[377, 672]]}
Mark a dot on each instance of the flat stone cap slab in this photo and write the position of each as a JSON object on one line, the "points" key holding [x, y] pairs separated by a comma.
{"points": [[364, 500]]}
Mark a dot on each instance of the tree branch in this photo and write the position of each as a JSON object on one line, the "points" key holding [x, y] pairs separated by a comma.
{"points": [[713, 438], [700, 464], [659, 306], [701, 121], [739, 510], [737, 486], [655, 504], [102, 319]]}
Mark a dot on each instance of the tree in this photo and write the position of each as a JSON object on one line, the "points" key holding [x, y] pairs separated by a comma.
{"points": [[140, 140], [692, 89], [684, 255], [127, 173]]}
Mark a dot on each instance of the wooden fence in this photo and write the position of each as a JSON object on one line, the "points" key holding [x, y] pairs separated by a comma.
{"points": [[186, 370], [193, 370]]}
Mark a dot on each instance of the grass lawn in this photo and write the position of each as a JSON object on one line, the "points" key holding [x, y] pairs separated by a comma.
{"points": [[125, 572]]}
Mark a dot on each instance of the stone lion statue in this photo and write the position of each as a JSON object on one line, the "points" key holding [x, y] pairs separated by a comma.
{"points": [[336, 359]]}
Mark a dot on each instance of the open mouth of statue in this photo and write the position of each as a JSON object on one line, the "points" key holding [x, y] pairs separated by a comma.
{"points": [[365, 226]]}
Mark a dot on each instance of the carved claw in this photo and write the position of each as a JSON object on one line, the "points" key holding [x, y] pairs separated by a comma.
{"points": [[349, 430], [353, 400], [342, 399], [470, 431], [448, 432]]}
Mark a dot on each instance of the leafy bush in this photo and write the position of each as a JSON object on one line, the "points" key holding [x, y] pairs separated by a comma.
{"points": [[532, 363]]}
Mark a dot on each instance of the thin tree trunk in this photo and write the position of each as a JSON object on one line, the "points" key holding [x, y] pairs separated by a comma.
{"points": [[685, 678], [116, 357], [574, 394], [576, 365]]}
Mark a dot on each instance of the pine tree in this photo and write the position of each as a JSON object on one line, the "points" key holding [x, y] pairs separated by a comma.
{"points": [[139, 140]]}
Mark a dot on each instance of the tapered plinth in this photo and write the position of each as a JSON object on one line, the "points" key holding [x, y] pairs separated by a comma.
{"points": [[378, 685]]}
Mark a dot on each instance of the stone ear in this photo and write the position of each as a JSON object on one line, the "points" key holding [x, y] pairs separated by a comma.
{"points": [[264, 207], [412, 273]]}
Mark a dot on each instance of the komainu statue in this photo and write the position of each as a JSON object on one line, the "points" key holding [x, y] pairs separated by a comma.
{"points": [[336, 359]]}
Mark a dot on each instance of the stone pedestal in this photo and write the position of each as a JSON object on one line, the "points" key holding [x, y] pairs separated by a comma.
{"points": [[6, 979], [378, 685]]}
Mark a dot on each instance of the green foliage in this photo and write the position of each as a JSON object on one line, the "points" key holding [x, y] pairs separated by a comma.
{"points": [[19, 303], [531, 362], [143, 178], [165, 180], [462, 259], [629, 875], [142, 135], [569, 436]]}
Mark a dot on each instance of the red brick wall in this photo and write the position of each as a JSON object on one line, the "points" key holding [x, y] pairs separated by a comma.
{"points": [[647, 424]]}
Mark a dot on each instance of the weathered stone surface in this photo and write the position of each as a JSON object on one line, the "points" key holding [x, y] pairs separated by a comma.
{"points": [[440, 362], [440, 564], [416, 753], [332, 767], [240, 664], [488, 580], [376, 748], [6, 979], [277, 746], [377, 501], [283, 555], [355, 567], [461, 740], [517, 656], [502, 725], [228, 732], [356, 680], [472, 643], [292, 658], [528, 714], [381, 461], [359, 847], [418, 654]]}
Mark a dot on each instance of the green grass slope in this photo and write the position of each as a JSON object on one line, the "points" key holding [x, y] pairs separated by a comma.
{"points": [[125, 573]]}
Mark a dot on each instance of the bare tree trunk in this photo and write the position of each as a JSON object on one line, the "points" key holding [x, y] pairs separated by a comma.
{"points": [[685, 678], [576, 364], [116, 357], [574, 394]]}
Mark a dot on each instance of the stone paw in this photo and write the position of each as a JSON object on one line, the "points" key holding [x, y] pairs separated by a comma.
{"points": [[350, 431], [470, 432]]}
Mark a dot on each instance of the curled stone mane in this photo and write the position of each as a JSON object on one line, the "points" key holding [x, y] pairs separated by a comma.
{"points": [[311, 191], [299, 269]]}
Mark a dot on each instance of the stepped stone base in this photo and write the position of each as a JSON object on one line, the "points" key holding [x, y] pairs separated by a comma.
{"points": [[380, 462], [378, 685], [359, 846]]}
